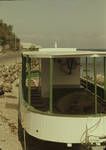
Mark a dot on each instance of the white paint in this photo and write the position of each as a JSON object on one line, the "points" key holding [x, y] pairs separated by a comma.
{"points": [[63, 129], [69, 145], [63, 52], [57, 49], [55, 44]]}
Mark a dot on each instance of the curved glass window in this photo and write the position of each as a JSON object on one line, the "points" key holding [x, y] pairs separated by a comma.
{"points": [[94, 83], [83, 67], [100, 71], [64, 85]]}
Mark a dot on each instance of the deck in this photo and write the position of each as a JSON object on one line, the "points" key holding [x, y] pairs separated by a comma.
{"points": [[79, 101]]}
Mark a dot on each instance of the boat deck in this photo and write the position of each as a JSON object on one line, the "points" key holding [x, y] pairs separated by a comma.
{"points": [[69, 101]]}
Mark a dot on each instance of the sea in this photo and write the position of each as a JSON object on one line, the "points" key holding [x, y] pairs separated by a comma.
{"points": [[99, 66]]}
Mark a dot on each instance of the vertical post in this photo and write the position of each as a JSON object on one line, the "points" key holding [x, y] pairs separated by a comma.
{"points": [[86, 72], [24, 76], [23, 71], [29, 79], [14, 41], [51, 85], [39, 73], [105, 78], [95, 86], [25, 147]]}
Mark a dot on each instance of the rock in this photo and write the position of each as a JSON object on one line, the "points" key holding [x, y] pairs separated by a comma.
{"points": [[8, 74], [100, 79], [17, 83], [1, 91], [34, 83], [7, 87]]}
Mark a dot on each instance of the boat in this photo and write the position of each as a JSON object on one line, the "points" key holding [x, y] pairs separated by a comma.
{"points": [[59, 107]]}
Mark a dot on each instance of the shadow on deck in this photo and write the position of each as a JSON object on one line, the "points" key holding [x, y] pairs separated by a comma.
{"points": [[68, 101]]}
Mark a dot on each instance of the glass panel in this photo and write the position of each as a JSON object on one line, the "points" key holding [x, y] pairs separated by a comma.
{"points": [[71, 98], [90, 69], [95, 83], [100, 84], [54, 85], [40, 84], [100, 71], [83, 67], [68, 96]]}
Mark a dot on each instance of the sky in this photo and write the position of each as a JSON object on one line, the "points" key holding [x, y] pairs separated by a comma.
{"points": [[72, 23]]}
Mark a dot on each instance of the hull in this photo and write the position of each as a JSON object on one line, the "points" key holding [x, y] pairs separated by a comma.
{"points": [[62, 128]]}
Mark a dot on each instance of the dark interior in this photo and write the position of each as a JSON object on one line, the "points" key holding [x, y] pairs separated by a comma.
{"points": [[68, 101]]}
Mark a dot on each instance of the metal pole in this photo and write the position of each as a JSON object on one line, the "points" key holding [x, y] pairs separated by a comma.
{"points": [[105, 78], [29, 80], [95, 94], [51, 85], [24, 139], [24, 76], [86, 72]]}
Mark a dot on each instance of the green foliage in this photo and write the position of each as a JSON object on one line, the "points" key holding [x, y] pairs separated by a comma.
{"points": [[7, 36], [2, 41]]}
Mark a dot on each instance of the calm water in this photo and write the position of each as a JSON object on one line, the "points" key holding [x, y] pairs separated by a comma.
{"points": [[90, 66]]}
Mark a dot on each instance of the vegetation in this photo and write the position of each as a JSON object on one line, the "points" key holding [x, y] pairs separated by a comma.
{"points": [[8, 39]]}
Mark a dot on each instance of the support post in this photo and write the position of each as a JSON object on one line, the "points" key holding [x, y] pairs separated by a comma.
{"points": [[29, 80], [95, 94], [105, 78], [23, 72], [51, 85], [24, 89], [25, 147], [86, 72]]}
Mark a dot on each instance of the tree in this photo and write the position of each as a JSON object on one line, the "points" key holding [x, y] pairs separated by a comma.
{"points": [[2, 41], [7, 36], [10, 28], [1, 22]]}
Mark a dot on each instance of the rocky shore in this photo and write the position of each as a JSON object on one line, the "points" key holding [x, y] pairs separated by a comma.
{"points": [[9, 80], [8, 75], [99, 79]]}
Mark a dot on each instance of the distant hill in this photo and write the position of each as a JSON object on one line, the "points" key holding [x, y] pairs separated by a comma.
{"points": [[8, 39]]}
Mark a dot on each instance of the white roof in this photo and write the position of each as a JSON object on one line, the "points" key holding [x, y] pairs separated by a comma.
{"points": [[63, 52], [57, 49]]}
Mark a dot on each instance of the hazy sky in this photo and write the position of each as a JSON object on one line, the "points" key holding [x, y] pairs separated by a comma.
{"points": [[73, 23]]}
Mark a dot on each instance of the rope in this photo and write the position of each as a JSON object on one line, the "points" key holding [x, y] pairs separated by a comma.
{"points": [[94, 127]]}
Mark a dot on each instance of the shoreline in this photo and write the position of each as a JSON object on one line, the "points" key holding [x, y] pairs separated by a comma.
{"points": [[9, 109]]}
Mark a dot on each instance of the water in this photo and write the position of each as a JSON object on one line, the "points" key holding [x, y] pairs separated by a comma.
{"points": [[90, 66]]}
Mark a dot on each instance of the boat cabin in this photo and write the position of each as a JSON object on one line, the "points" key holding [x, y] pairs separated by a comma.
{"points": [[65, 81]]}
